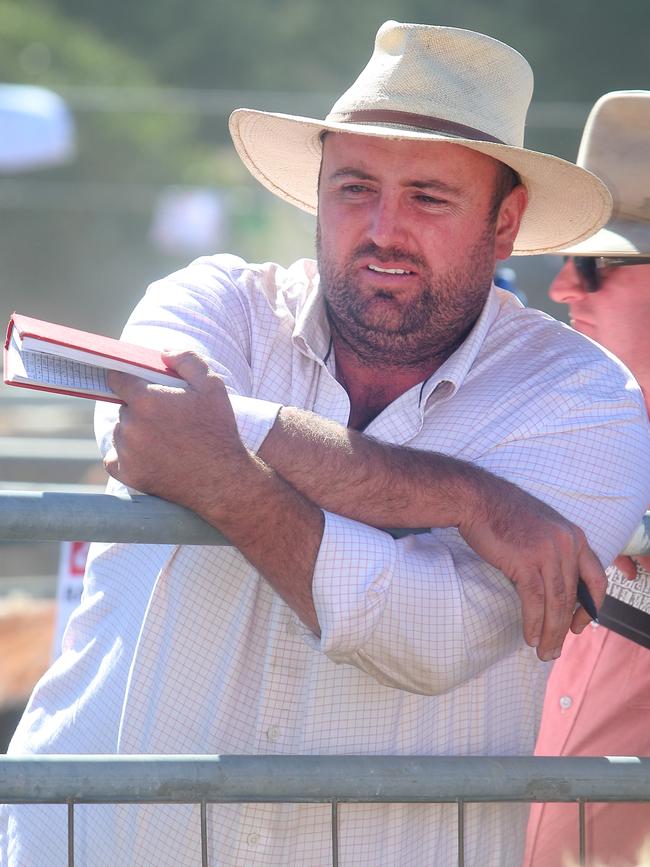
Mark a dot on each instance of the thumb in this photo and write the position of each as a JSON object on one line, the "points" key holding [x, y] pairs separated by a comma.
{"points": [[188, 365], [627, 566]]}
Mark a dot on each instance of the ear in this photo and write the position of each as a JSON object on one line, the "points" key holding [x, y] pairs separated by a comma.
{"points": [[508, 220]]}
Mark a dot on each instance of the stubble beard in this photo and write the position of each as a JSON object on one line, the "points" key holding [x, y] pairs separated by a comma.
{"points": [[424, 330]]}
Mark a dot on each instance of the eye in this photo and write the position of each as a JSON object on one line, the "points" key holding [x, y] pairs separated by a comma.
{"points": [[424, 199], [354, 189]]}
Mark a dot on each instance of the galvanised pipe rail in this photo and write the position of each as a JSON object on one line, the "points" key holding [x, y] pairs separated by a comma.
{"points": [[321, 779], [48, 516], [202, 780]]}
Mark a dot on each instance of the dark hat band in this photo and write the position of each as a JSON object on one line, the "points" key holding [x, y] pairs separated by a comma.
{"points": [[407, 118]]}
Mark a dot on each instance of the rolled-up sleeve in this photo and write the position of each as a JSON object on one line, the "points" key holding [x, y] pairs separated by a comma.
{"points": [[254, 418], [204, 310], [421, 613], [425, 613]]}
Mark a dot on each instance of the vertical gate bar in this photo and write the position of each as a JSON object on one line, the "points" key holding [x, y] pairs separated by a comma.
{"points": [[335, 834], [461, 834], [70, 833], [204, 834], [581, 820]]}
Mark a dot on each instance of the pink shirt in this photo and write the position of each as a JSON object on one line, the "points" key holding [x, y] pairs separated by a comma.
{"points": [[597, 704]]}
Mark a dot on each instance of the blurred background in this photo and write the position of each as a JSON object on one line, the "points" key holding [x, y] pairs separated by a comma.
{"points": [[116, 168]]}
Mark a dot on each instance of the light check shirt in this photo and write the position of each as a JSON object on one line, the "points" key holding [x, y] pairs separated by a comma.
{"points": [[187, 649]]}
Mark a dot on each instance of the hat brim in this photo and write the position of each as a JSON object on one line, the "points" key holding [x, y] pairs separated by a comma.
{"points": [[566, 203], [618, 238]]}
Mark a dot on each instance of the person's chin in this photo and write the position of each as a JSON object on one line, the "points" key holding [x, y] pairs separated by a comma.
{"points": [[382, 314], [583, 327]]}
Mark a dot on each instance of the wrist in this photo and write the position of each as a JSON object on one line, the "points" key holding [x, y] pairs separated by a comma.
{"points": [[223, 486], [474, 493]]}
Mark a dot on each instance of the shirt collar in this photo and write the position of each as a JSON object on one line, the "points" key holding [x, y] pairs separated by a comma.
{"points": [[311, 331], [451, 374], [312, 336]]}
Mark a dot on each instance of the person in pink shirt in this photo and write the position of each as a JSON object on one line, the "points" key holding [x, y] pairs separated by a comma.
{"points": [[598, 695]]}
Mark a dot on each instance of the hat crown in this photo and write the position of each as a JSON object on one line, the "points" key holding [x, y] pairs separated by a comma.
{"points": [[616, 147], [445, 73], [433, 84]]}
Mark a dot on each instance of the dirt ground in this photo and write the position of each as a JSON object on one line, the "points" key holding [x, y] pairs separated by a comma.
{"points": [[26, 631]]}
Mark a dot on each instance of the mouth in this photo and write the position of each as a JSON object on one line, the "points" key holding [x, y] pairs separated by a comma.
{"points": [[400, 272]]}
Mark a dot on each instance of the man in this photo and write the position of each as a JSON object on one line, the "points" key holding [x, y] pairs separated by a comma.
{"points": [[317, 633], [598, 694]]}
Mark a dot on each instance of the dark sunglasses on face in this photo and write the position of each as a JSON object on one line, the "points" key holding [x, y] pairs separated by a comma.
{"points": [[592, 269]]}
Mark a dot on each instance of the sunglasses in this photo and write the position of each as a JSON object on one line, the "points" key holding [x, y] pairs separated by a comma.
{"points": [[592, 269]]}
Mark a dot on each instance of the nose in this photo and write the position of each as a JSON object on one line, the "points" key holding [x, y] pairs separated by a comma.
{"points": [[567, 285], [386, 225]]}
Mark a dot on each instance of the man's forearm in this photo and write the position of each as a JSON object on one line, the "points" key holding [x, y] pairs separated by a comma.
{"points": [[274, 527], [351, 474]]}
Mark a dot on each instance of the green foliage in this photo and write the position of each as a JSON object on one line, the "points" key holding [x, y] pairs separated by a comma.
{"points": [[42, 46], [578, 49]]}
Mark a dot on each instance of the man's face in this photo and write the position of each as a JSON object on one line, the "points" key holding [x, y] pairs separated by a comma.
{"points": [[406, 244], [616, 315]]}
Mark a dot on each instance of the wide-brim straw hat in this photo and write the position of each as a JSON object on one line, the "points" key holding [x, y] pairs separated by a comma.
{"points": [[429, 83], [615, 146]]}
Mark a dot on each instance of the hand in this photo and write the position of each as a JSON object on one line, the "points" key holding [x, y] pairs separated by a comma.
{"points": [[628, 565], [542, 553], [170, 442]]}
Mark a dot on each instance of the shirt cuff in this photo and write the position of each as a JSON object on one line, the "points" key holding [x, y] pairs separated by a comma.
{"points": [[254, 417], [352, 578]]}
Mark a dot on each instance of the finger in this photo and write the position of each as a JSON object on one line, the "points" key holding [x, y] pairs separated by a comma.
{"points": [[559, 602], [111, 463], [580, 620], [627, 566], [188, 365], [125, 385], [122, 421], [531, 596], [593, 575], [592, 592]]}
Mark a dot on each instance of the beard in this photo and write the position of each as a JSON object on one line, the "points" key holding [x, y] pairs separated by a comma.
{"points": [[382, 330]]}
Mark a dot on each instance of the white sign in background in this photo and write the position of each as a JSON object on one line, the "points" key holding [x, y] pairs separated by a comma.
{"points": [[72, 564]]}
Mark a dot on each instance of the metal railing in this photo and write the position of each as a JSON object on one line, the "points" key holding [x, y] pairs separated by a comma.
{"points": [[333, 780], [47, 516], [54, 516], [92, 517]]}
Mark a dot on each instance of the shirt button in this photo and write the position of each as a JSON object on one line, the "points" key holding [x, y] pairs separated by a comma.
{"points": [[595, 624], [273, 734], [253, 839], [565, 702]]}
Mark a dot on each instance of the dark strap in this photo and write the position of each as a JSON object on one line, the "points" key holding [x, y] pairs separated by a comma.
{"points": [[406, 118]]}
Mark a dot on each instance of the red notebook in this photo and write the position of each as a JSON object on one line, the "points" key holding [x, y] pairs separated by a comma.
{"points": [[50, 357]]}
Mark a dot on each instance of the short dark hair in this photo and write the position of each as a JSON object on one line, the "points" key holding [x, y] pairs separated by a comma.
{"points": [[506, 180]]}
